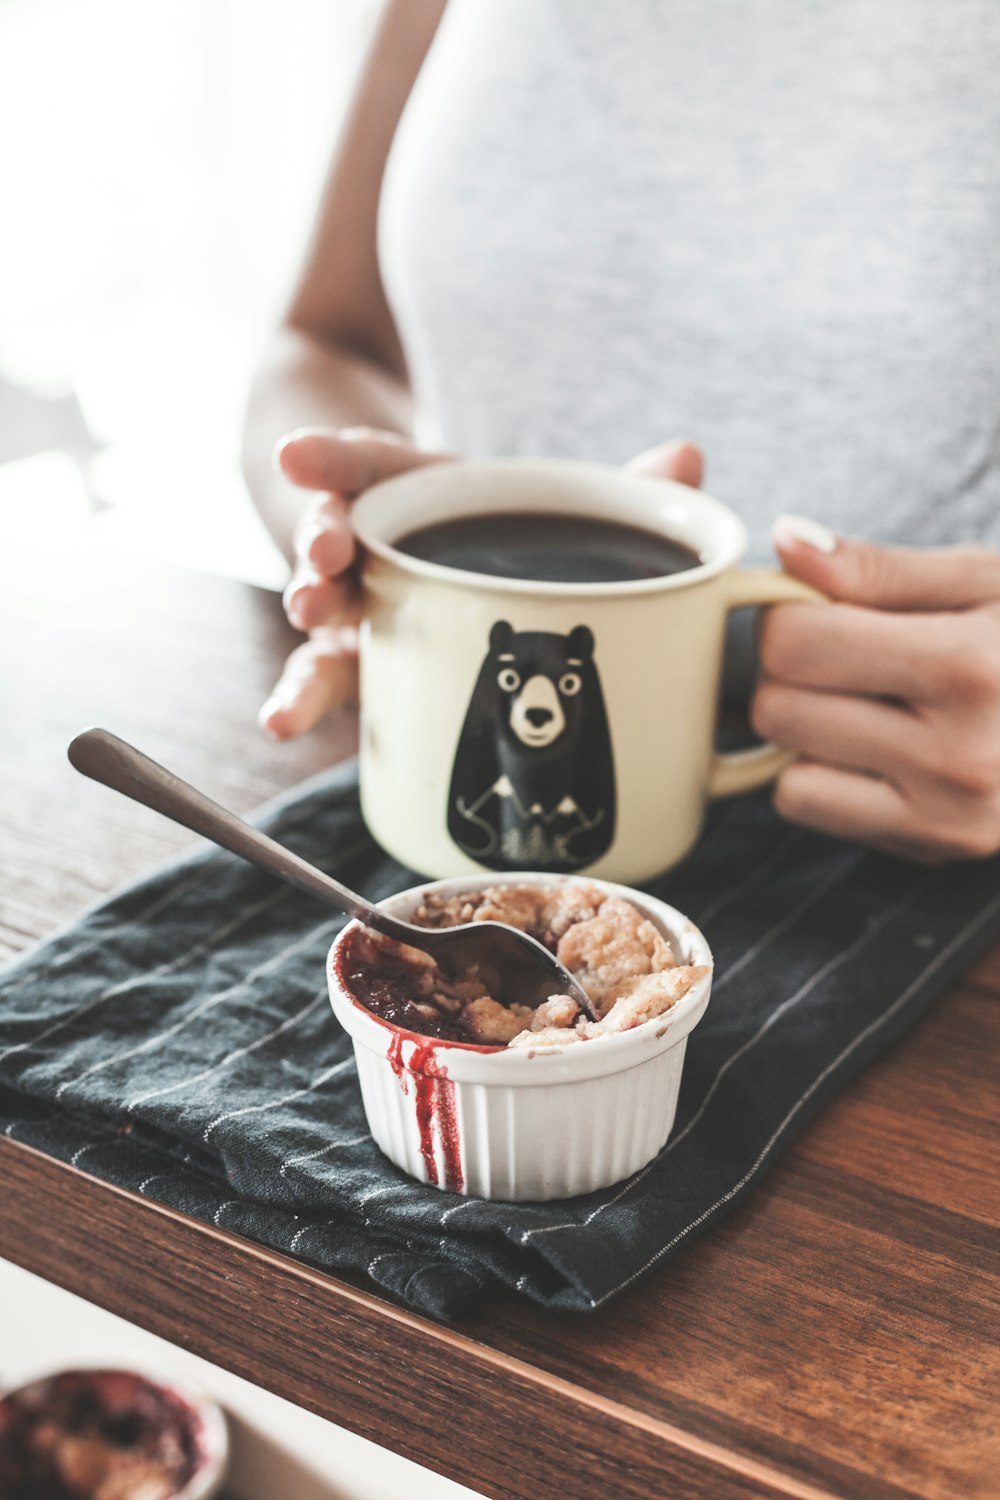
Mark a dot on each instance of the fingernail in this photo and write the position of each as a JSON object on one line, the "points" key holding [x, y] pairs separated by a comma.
{"points": [[292, 601], [268, 710], [296, 434], [298, 593], [309, 534], [801, 529], [279, 449]]}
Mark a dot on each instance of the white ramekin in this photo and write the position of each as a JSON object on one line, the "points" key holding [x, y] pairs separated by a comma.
{"points": [[517, 1123], [210, 1430]]}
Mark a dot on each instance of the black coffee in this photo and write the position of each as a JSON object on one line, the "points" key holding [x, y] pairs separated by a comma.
{"points": [[546, 548]]}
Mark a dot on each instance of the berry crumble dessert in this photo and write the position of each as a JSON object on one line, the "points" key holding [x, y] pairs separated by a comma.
{"points": [[619, 956], [97, 1435]]}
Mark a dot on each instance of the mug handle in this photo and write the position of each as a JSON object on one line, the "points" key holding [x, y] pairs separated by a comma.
{"points": [[734, 771]]}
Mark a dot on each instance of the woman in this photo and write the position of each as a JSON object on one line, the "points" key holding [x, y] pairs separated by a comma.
{"points": [[773, 227]]}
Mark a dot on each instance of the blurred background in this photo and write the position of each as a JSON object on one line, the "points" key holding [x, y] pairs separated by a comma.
{"points": [[159, 170]]}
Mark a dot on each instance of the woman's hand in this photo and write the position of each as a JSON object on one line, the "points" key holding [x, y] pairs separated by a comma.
{"points": [[891, 696], [323, 595]]}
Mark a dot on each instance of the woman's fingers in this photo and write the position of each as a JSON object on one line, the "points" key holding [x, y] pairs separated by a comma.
{"points": [[851, 806], [312, 602], [899, 578], [346, 461], [844, 648], [844, 803], [862, 807], [931, 828], [854, 733], [324, 541], [318, 592], [680, 460], [319, 676], [323, 594]]}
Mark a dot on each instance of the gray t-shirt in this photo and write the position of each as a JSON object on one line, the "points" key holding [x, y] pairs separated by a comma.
{"points": [[772, 226]]}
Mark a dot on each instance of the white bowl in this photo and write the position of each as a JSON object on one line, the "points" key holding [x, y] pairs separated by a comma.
{"points": [[522, 1123], [209, 1424]]}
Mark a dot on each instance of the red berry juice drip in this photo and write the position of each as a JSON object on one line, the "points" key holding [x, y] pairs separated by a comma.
{"points": [[434, 1098], [384, 983]]}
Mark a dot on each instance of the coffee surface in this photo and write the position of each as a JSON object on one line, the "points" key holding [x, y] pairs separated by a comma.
{"points": [[542, 547]]}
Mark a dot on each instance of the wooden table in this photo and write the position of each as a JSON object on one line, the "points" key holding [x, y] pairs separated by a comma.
{"points": [[836, 1335]]}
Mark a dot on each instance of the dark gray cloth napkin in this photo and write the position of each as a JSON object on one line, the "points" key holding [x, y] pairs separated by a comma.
{"points": [[178, 1041]]}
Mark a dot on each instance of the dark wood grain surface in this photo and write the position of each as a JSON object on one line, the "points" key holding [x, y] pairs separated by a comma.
{"points": [[179, 662], [836, 1335]]}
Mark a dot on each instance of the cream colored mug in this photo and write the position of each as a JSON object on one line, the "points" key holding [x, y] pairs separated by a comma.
{"points": [[456, 774]]}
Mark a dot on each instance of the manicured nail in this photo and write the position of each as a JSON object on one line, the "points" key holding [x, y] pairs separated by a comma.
{"points": [[293, 437], [292, 603], [278, 450], [298, 596], [274, 705], [307, 536], [801, 529]]}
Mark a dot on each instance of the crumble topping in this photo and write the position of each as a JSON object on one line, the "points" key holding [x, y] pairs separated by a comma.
{"points": [[619, 956]]}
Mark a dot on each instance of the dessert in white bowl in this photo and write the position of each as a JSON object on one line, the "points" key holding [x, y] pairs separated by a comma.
{"points": [[468, 1090], [109, 1435]]}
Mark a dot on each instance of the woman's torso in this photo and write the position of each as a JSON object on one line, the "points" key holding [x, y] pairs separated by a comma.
{"points": [[772, 227]]}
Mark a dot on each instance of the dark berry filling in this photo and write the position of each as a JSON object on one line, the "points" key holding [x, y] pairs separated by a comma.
{"points": [[87, 1435], [394, 988]]}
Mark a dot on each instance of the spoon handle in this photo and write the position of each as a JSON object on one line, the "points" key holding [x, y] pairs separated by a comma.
{"points": [[106, 758]]}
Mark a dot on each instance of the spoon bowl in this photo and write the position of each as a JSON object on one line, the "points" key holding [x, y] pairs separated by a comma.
{"points": [[521, 964]]}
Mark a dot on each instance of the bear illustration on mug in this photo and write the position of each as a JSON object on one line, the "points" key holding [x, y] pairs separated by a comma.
{"points": [[533, 782]]}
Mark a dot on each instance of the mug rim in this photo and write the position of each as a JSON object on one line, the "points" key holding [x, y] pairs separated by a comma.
{"points": [[590, 481]]}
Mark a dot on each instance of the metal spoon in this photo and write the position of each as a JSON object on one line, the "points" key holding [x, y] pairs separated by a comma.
{"points": [[523, 966]]}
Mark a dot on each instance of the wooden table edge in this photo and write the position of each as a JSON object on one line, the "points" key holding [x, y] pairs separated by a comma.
{"points": [[181, 1295]]}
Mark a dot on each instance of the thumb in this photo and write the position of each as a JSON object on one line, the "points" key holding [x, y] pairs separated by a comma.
{"points": [[680, 460], [897, 578]]}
